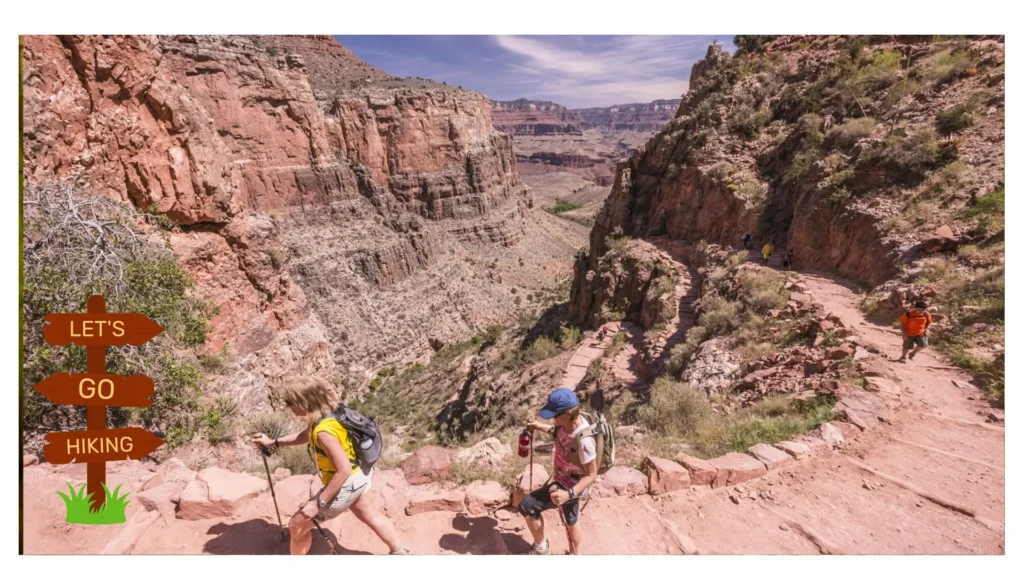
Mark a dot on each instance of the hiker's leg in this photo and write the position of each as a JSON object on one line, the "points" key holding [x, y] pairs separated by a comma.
{"points": [[908, 345], [365, 510], [571, 512], [299, 527], [531, 507]]}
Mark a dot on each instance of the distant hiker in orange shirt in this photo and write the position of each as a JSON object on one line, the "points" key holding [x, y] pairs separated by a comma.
{"points": [[915, 329]]}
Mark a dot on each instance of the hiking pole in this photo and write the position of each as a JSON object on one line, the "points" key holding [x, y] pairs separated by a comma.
{"points": [[265, 452], [568, 534], [324, 534]]}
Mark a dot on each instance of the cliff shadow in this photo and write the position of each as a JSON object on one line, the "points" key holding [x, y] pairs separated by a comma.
{"points": [[481, 536]]}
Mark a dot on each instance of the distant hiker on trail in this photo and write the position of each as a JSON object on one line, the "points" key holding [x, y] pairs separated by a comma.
{"points": [[576, 469], [766, 252], [602, 333], [787, 259], [915, 329], [345, 485], [746, 240]]}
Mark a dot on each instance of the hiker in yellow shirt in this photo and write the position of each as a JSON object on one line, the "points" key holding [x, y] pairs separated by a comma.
{"points": [[766, 252], [345, 485]]}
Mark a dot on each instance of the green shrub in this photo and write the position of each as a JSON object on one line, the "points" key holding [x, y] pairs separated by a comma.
{"points": [[946, 180], [947, 67], [763, 290], [562, 205], [65, 263], [682, 352], [881, 71], [847, 134], [271, 51], [607, 314], [737, 259], [750, 190], [273, 424], [570, 337], [717, 314], [801, 165], [276, 258], [751, 44], [854, 46], [990, 207], [541, 349], [748, 123], [295, 458], [955, 118], [674, 408]]}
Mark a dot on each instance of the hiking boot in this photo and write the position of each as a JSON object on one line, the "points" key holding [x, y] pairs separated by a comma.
{"points": [[902, 360], [400, 552], [546, 551]]}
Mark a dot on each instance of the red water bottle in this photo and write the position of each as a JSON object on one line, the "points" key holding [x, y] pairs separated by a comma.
{"points": [[525, 440]]}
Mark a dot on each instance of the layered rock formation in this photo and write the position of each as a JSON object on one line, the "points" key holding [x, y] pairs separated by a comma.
{"points": [[332, 212], [639, 117], [550, 138], [534, 118], [766, 143]]}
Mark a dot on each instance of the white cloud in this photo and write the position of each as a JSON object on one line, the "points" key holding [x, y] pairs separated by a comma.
{"points": [[609, 71]]}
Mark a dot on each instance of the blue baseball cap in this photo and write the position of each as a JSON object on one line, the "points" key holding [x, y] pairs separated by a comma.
{"points": [[559, 401]]}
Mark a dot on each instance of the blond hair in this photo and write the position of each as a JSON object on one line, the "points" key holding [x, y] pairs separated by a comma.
{"points": [[312, 395]]}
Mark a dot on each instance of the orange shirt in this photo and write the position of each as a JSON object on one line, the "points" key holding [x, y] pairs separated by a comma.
{"points": [[915, 322]]}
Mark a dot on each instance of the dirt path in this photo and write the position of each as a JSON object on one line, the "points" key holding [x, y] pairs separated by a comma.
{"points": [[932, 482]]}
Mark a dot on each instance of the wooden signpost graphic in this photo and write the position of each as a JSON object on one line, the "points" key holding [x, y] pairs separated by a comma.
{"points": [[96, 390]]}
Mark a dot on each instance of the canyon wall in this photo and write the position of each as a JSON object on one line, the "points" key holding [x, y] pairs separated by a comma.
{"points": [[328, 209], [772, 143]]}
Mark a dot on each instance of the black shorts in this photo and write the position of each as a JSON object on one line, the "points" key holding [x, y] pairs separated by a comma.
{"points": [[910, 341], [540, 500]]}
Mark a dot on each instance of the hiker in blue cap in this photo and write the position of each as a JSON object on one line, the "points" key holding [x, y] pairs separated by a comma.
{"points": [[575, 469]]}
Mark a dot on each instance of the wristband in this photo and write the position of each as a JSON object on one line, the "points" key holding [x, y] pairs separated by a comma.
{"points": [[572, 495], [276, 443]]}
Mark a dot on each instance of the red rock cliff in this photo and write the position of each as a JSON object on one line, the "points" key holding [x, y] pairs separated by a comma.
{"points": [[304, 180]]}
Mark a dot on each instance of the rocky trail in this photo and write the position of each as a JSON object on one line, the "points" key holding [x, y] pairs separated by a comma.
{"points": [[930, 481]]}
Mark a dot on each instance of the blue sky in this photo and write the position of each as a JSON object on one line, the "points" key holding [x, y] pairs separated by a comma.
{"points": [[575, 71]]}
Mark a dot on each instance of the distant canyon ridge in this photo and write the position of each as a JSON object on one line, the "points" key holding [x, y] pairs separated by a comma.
{"points": [[550, 138]]}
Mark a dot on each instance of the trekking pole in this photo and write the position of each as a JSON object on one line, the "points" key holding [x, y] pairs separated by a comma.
{"points": [[531, 462], [265, 452], [324, 534], [568, 534]]}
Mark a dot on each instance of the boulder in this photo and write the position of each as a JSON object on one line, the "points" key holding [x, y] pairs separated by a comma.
{"points": [[830, 434], [281, 474], [861, 420], [665, 476], [29, 460], [702, 472], [826, 325], [217, 493], [174, 470], [711, 367], [161, 498], [489, 452], [734, 468], [883, 385], [154, 481], [435, 500], [427, 464], [770, 456], [847, 429], [621, 481], [130, 533], [523, 486], [814, 443], [797, 450], [800, 298], [844, 351], [297, 489], [484, 496]]}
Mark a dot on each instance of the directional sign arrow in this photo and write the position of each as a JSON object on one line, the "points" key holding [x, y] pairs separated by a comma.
{"points": [[99, 329], [97, 389], [99, 445]]}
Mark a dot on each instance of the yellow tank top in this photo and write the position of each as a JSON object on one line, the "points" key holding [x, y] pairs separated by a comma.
{"points": [[323, 462]]}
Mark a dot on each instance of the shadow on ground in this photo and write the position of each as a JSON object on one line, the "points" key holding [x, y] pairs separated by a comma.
{"points": [[481, 536], [261, 537]]}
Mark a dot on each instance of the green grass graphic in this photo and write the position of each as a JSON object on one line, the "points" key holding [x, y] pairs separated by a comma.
{"points": [[112, 511]]}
